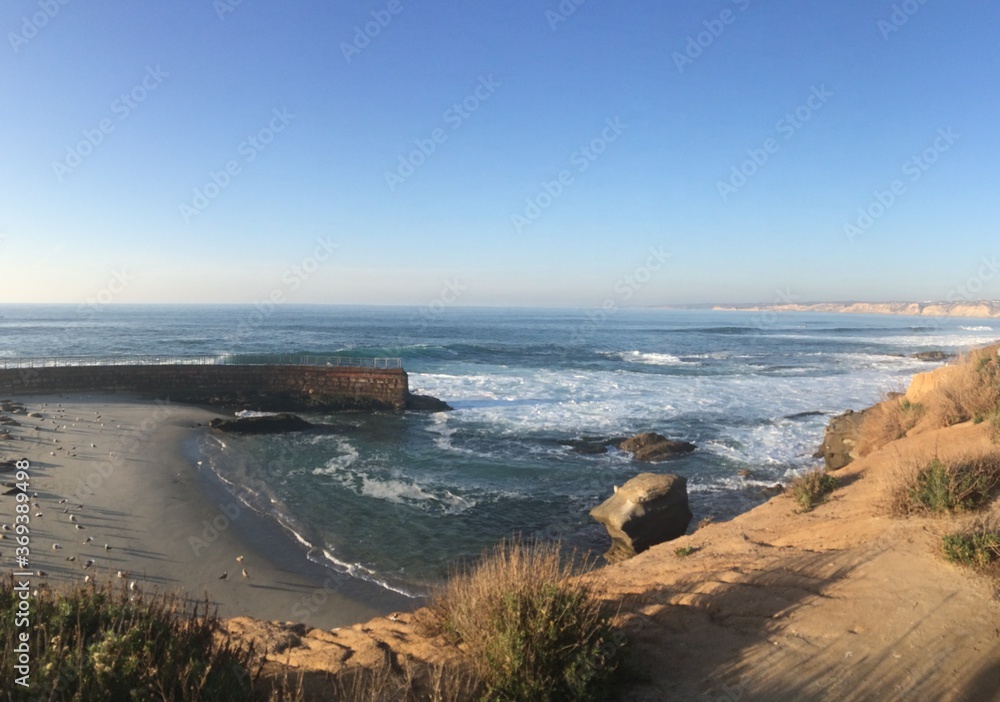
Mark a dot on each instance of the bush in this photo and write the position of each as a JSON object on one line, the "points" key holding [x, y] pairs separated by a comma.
{"points": [[103, 642], [810, 489], [532, 630], [976, 548], [959, 486]]}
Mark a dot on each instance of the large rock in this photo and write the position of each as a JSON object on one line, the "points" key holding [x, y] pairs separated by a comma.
{"points": [[654, 447], [268, 424], [426, 403], [840, 439], [649, 509]]}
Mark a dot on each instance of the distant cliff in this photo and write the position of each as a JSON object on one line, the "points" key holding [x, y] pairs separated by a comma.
{"points": [[984, 308]]}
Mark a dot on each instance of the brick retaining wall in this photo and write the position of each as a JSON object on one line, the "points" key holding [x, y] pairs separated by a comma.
{"points": [[272, 388]]}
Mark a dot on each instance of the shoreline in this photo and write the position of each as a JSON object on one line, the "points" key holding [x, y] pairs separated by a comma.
{"points": [[168, 524]]}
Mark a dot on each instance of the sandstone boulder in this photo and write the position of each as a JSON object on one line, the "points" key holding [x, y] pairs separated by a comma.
{"points": [[649, 509], [840, 439], [654, 447]]}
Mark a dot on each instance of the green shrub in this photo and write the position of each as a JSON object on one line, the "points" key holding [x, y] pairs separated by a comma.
{"points": [[976, 548], [532, 630], [105, 643], [811, 488], [958, 487], [682, 551]]}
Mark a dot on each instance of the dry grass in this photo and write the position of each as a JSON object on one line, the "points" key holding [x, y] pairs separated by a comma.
{"points": [[887, 421], [971, 393], [531, 627], [941, 487]]}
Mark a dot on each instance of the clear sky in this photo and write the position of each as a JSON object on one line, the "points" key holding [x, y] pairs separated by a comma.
{"points": [[514, 153]]}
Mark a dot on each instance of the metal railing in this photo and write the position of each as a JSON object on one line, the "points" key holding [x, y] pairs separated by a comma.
{"points": [[223, 360]]}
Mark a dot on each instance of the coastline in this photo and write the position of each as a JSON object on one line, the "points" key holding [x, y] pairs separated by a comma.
{"points": [[985, 309], [168, 524]]}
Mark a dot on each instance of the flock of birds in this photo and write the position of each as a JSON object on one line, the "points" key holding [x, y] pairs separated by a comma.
{"points": [[87, 563]]}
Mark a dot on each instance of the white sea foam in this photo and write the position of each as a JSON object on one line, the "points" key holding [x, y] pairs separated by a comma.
{"points": [[652, 359], [977, 329], [347, 456], [247, 414]]}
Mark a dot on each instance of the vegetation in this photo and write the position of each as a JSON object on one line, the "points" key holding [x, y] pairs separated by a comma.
{"points": [[941, 487], [977, 547], [969, 391], [810, 489], [105, 643], [682, 551], [533, 629]]}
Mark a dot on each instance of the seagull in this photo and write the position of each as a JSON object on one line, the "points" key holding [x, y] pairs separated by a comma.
{"points": [[246, 574], [78, 526], [86, 578], [239, 559], [121, 573], [132, 586], [38, 514], [106, 547], [90, 562], [41, 573], [56, 547], [72, 517], [71, 558], [224, 575], [93, 446], [88, 539]]}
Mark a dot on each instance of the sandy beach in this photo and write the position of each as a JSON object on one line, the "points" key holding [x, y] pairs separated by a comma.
{"points": [[114, 488]]}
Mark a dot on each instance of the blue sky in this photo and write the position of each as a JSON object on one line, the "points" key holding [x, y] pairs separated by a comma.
{"points": [[385, 152]]}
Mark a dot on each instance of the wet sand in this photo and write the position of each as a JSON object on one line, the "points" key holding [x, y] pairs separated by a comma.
{"points": [[114, 469]]}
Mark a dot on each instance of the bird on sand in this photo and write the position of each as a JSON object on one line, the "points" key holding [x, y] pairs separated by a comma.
{"points": [[245, 573], [239, 559], [224, 575]]}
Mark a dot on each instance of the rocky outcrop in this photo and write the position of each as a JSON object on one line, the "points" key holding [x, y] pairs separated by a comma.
{"points": [[649, 509], [654, 447], [268, 424], [933, 356], [840, 439], [426, 403]]}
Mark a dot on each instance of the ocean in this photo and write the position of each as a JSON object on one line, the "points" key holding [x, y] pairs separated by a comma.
{"points": [[396, 499]]}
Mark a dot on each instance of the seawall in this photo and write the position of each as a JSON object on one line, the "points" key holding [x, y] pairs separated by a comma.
{"points": [[262, 387]]}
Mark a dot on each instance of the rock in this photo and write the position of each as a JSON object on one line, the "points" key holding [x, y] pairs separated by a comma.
{"points": [[933, 356], [805, 415], [840, 439], [647, 510], [35, 415], [588, 447], [271, 424], [654, 447], [426, 403]]}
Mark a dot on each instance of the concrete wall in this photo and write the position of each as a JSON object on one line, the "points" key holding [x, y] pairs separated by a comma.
{"points": [[271, 388]]}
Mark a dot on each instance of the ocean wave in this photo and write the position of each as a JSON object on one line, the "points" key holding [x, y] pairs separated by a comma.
{"points": [[977, 329], [652, 359]]}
